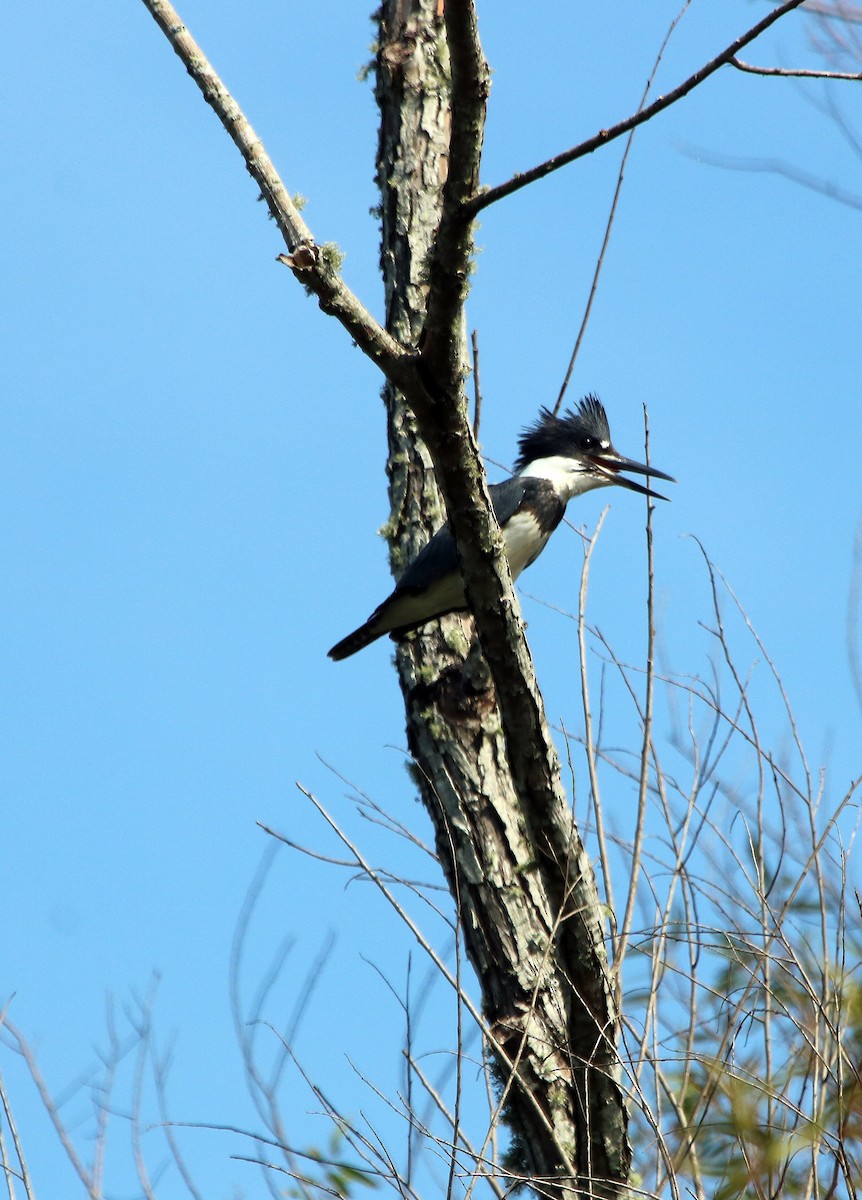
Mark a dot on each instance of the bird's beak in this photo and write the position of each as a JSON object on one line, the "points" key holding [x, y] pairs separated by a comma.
{"points": [[610, 464]]}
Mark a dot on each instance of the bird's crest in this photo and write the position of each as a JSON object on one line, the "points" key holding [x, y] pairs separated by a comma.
{"points": [[578, 430]]}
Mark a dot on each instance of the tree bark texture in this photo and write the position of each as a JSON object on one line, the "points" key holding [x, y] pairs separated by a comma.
{"points": [[530, 913]]}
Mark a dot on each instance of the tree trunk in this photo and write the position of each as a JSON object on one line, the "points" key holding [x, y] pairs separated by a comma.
{"points": [[530, 913]]}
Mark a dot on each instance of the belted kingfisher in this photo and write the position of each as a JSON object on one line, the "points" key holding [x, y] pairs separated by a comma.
{"points": [[558, 458]]}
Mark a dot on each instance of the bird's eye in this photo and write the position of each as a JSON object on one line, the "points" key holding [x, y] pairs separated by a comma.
{"points": [[590, 443]]}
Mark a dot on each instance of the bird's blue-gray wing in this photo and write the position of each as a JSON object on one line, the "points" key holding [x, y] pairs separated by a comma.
{"points": [[507, 497], [439, 556], [431, 585]]}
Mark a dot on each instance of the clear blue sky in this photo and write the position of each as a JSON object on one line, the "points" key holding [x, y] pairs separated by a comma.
{"points": [[192, 480]]}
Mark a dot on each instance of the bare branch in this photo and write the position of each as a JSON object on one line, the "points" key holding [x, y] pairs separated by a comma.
{"points": [[50, 1106], [9, 1173], [605, 136], [612, 214], [160, 1066], [314, 266], [477, 385], [793, 72], [776, 166], [442, 349], [836, 10]]}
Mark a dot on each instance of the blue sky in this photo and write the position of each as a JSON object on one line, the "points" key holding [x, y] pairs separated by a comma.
{"points": [[192, 481]]}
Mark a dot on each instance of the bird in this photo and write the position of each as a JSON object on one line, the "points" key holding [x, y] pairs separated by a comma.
{"points": [[559, 457]]}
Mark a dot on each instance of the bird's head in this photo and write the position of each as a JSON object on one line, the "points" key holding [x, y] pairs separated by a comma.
{"points": [[575, 452]]}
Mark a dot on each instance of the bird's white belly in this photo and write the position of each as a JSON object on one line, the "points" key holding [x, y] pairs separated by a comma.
{"points": [[524, 540]]}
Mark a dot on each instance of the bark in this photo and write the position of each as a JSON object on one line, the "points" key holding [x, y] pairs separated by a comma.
{"points": [[486, 766]]}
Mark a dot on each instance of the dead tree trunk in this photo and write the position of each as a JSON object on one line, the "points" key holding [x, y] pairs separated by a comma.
{"points": [[487, 770]]}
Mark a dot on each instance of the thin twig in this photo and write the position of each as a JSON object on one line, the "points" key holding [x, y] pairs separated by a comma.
{"points": [[793, 72], [777, 166], [510, 1063], [486, 1167], [23, 1173], [50, 1107], [375, 878], [835, 10], [612, 214], [589, 739], [160, 1067], [459, 1014], [144, 1029], [640, 819]]}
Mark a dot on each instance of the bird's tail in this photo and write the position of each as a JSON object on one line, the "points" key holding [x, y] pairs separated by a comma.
{"points": [[358, 640]]}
